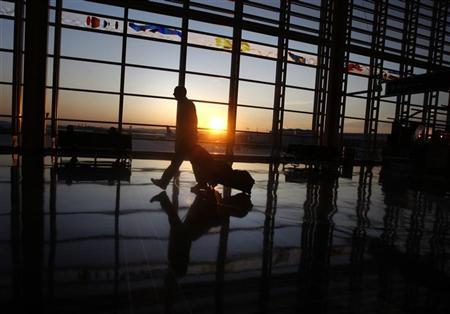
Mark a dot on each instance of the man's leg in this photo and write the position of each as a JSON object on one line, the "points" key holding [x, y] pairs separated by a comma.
{"points": [[170, 172]]}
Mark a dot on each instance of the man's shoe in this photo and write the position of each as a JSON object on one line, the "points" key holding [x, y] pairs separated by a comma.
{"points": [[159, 183]]}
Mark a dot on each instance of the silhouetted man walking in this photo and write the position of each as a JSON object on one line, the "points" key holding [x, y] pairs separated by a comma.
{"points": [[186, 136]]}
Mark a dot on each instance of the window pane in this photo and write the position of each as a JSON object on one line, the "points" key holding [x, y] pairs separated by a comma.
{"points": [[256, 12], [49, 76], [150, 82], [251, 119], [90, 45], [256, 94], [208, 61], [387, 111], [302, 46], [153, 53], [353, 126], [357, 84], [154, 18], [355, 107], [148, 110], [262, 38], [212, 116], [6, 34], [5, 98], [51, 40], [297, 99], [298, 75], [211, 28], [257, 69], [88, 6], [207, 88], [253, 143], [6, 66], [48, 103], [88, 106], [89, 75], [227, 5], [294, 120]]}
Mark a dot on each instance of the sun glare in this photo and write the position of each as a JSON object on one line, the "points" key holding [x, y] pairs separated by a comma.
{"points": [[217, 124]]}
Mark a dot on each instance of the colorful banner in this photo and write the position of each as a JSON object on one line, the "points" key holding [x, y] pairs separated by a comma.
{"points": [[173, 34]]}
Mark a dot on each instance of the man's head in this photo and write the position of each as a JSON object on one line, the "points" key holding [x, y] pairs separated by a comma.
{"points": [[179, 92]]}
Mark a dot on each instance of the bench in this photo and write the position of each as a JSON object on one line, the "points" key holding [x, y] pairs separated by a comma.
{"points": [[112, 144]]}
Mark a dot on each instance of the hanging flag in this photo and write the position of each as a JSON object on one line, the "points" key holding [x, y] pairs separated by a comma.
{"points": [[91, 21], [303, 58], [296, 58], [357, 68], [154, 29], [96, 22], [226, 43]]}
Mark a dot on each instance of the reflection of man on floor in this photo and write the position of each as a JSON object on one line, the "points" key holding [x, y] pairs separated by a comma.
{"points": [[186, 136], [203, 214], [208, 210]]}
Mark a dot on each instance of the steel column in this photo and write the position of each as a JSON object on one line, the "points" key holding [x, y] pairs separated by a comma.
{"points": [[234, 77], [17, 74], [36, 28], [183, 46], [280, 80], [408, 52], [56, 68], [122, 66], [336, 71], [322, 72], [375, 79], [348, 37], [435, 57]]}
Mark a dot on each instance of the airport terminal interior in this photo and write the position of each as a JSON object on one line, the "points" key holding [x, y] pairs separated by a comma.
{"points": [[317, 181]]}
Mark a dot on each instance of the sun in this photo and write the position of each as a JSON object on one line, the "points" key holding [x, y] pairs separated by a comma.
{"points": [[217, 124]]}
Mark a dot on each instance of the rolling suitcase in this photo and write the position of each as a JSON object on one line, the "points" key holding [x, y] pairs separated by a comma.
{"points": [[238, 179], [207, 170]]}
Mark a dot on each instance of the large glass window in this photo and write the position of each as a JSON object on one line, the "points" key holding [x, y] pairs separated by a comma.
{"points": [[91, 66]]}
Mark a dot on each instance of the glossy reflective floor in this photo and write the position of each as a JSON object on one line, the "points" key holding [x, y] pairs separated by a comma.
{"points": [[86, 244]]}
